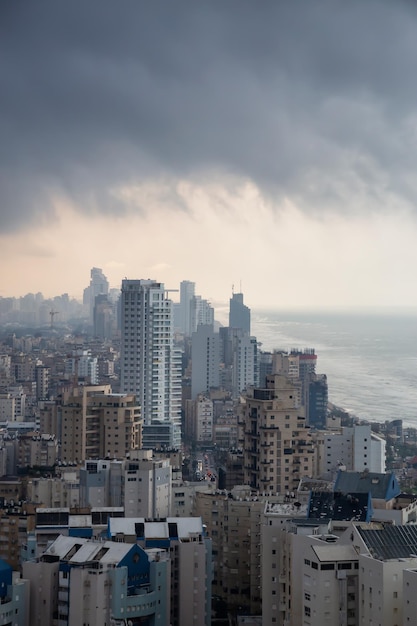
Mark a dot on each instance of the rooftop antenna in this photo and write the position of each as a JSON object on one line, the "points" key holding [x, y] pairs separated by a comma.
{"points": [[233, 287]]}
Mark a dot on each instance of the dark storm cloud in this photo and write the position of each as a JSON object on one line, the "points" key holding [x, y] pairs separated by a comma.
{"points": [[314, 101]]}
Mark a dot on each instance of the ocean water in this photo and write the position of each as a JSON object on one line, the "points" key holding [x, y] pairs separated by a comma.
{"points": [[370, 359]]}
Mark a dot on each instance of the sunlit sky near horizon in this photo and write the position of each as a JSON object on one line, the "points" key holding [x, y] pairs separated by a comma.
{"points": [[270, 146]]}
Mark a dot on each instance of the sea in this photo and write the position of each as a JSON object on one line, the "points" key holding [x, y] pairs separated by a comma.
{"points": [[370, 358]]}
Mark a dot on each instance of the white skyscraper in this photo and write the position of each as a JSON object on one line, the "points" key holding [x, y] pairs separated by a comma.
{"points": [[150, 367]]}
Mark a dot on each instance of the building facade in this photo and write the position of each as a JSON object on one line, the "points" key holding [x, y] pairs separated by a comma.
{"points": [[277, 446], [150, 365]]}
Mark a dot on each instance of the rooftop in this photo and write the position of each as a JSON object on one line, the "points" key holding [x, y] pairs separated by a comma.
{"points": [[391, 542]]}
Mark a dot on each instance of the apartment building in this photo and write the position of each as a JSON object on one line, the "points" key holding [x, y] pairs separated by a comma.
{"points": [[150, 364], [14, 597], [82, 581], [97, 423], [189, 549], [277, 446]]}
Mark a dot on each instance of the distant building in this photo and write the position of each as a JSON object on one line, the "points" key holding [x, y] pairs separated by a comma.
{"points": [[98, 285], [104, 317], [201, 313], [239, 314], [187, 292], [205, 360]]}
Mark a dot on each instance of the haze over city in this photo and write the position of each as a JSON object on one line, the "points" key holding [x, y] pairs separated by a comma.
{"points": [[271, 144]]}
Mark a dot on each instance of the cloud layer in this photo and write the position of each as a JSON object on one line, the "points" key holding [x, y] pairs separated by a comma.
{"points": [[312, 101]]}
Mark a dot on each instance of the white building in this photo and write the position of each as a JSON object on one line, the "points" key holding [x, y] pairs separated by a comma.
{"points": [[147, 486], [150, 366], [140, 484], [201, 313], [205, 360], [409, 596], [83, 366], [356, 448]]}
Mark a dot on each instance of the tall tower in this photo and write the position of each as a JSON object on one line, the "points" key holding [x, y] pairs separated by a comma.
{"points": [[98, 285], [277, 448], [205, 359], [187, 292], [239, 313], [150, 367]]}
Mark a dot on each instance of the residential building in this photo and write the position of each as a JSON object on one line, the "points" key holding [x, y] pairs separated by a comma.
{"points": [[201, 313], [150, 365], [233, 523], [191, 566], [14, 598], [97, 423], [187, 292], [81, 581], [98, 285], [199, 420], [205, 360], [42, 375], [277, 446], [239, 313], [104, 317], [82, 366]]}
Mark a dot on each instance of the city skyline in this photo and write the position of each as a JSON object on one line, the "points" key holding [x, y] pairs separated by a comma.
{"points": [[273, 149]]}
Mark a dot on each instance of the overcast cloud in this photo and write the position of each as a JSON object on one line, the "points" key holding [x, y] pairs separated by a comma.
{"points": [[314, 102]]}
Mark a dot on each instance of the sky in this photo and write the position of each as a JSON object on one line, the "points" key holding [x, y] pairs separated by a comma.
{"points": [[268, 147]]}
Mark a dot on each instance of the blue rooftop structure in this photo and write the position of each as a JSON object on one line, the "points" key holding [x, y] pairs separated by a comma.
{"points": [[380, 486]]}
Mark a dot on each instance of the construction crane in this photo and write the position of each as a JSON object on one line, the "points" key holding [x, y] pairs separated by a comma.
{"points": [[52, 314], [167, 291]]}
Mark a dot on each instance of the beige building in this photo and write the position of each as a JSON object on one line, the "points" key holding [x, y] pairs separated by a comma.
{"points": [[48, 417], [234, 525], [313, 578], [97, 423], [278, 450], [61, 491], [38, 450]]}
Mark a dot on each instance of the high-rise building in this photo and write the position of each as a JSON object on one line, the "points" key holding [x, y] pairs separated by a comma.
{"points": [[277, 448], [98, 285], [187, 292], [239, 314], [42, 375], [97, 423], [104, 317], [205, 360], [238, 353], [201, 313], [150, 365]]}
